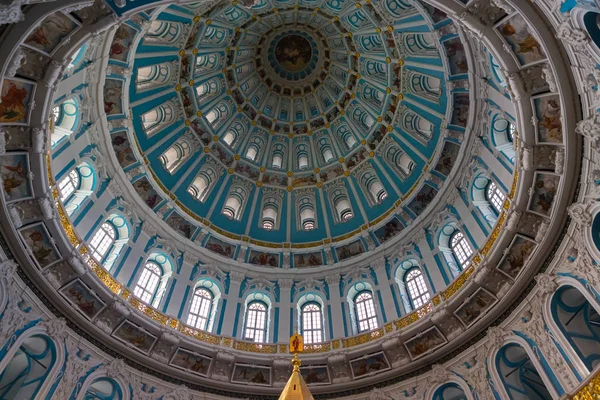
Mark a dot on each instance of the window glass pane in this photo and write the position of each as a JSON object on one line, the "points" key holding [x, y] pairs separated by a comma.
{"points": [[365, 312], [256, 322], [199, 314], [145, 288], [311, 323]]}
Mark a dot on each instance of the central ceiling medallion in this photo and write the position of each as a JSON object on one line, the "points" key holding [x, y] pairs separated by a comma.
{"points": [[293, 55]]}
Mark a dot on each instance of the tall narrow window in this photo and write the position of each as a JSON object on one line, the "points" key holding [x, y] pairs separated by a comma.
{"points": [[366, 318], [251, 152], [307, 216], [68, 184], [495, 196], [312, 323], [256, 322], [200, 309], [269, 217], [417, 289], [461, 249], [327, 154], [199, 188], [147, 283], [232, 206], [377, 190], [102, 240], [277, 161], [176, 155]]}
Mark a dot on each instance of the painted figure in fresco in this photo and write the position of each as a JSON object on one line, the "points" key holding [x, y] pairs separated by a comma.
{"points": [[88, 307], [546, 192], [517, 257], [13, 177], [293, 52], [527, 44], [312, 376], [39, 248], [12, 107], [551, 120]]}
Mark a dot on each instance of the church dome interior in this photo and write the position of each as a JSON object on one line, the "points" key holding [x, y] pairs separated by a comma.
{"points": [[298, 199]]}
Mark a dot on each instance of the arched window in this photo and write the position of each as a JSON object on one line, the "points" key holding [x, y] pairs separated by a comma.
{"points": [[153, 76], [28, 369], [68, 184], [232, 207], [503, 135], [252, 152], [199, 188], [269, 217], [449, 391], [66, 118], [371, 185], [312, 323], [327, 154], [366, 317], [579, 322], [163, 33], [495, 196], [460, 248], [277, 161], [396, 158], [518, 374], [200, 309], [416, 287], [176, 155], [102, 241], [147, 283], [77, 186], [256, 322], [307, 218], [158, 118], [103, 389]]}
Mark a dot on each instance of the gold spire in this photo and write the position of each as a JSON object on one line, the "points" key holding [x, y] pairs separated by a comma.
{"points": [[296, 388]]}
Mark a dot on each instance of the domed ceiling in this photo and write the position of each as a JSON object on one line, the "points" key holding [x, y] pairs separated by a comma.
{"points": [[308, 124]]}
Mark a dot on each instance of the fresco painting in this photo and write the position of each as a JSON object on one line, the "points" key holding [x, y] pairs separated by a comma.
{"points": [[180, 225], [113, 94], [51, 32], [475, 306], [14, 168], [15, 101], [350, 250], [218, 246], [135, 336], [425, 343], [315, 374], [457, 57], [122, 41], [545, 187], [37, 240], [389, 230], [460, 109], [308, 260], [517, 255], [191, 362], [447, 158], [265, 259], [422, 199], [525, 46], [81, 296], [251, 374], [549, 122], [369, 365], [146, 191], [122, 149]]}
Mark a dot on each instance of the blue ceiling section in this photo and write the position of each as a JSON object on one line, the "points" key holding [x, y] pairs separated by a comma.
{"points": [[329, 106]]}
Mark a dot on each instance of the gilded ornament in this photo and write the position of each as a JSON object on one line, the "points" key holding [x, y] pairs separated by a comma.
{"points": [[207, 149], [181, 53], [196, 19], [230, 170], [262, 169], [258, 183], [195, 51], [178, 88], [237, 157], [319, 185], [289, 188], [191, 82], [199, 113], [290, 174]]}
